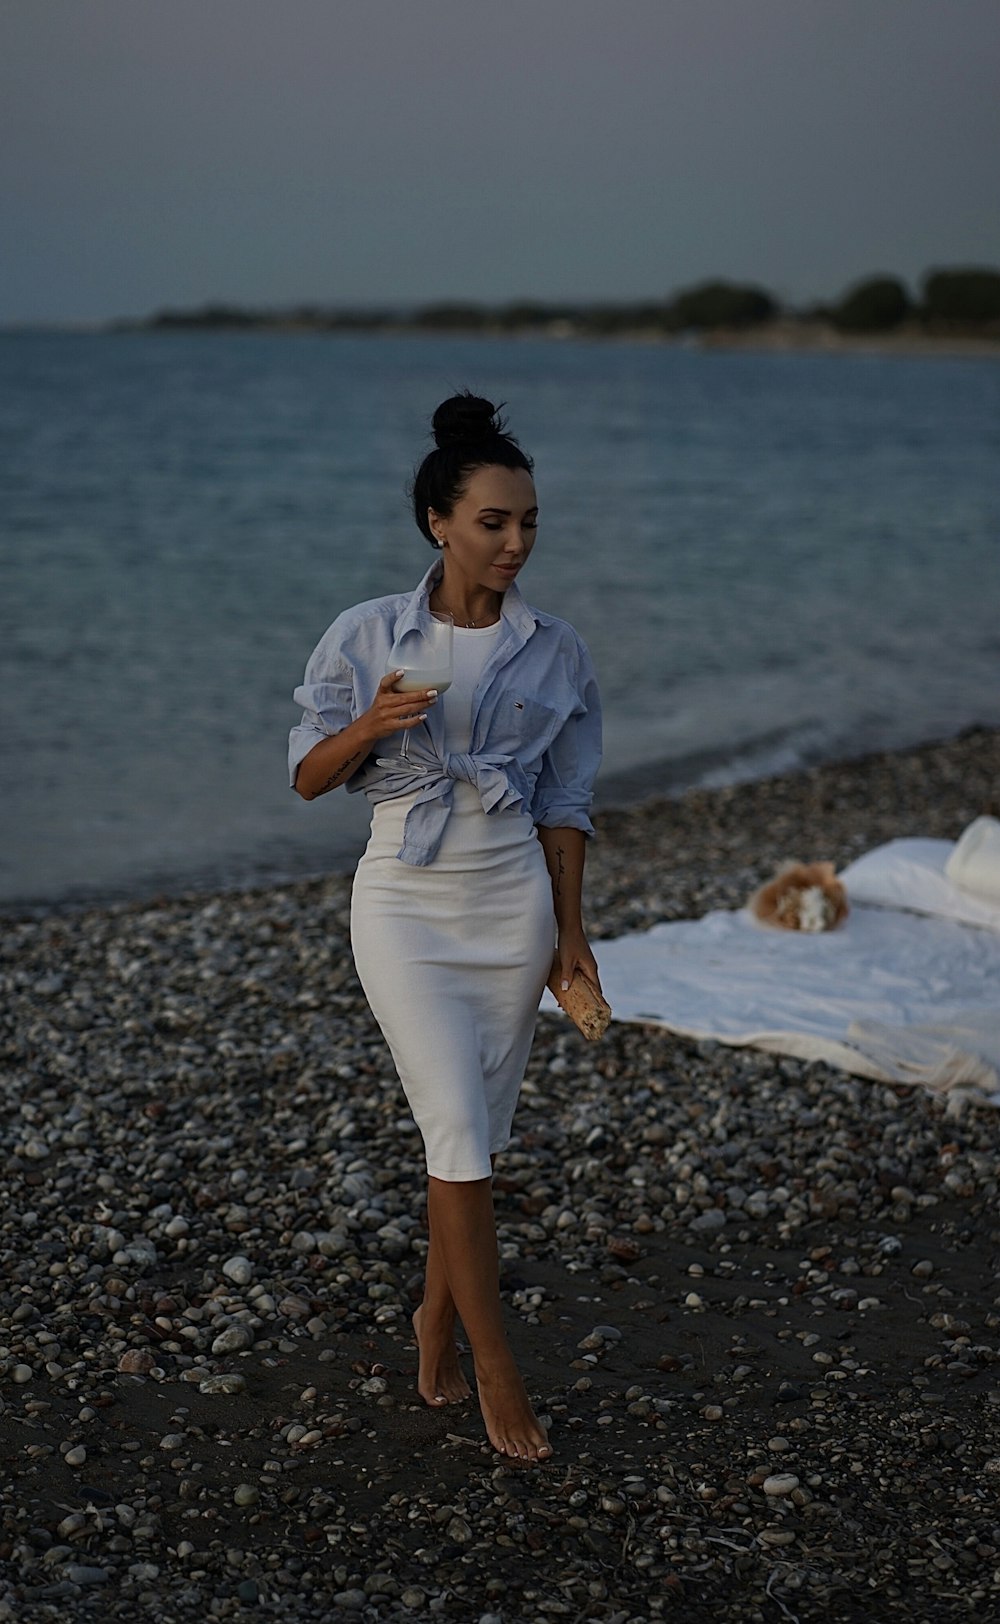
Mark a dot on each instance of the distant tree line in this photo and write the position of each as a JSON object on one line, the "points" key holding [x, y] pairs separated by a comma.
{"points": [[950, 301]]}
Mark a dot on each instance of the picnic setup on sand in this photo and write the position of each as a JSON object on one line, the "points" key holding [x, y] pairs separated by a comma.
{"points": [[890, 970]]}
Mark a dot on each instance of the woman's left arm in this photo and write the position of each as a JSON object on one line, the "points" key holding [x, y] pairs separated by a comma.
{"points": [[564, 856]]}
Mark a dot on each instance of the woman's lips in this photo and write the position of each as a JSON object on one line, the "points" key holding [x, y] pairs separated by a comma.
{"points": [[507, 569]]}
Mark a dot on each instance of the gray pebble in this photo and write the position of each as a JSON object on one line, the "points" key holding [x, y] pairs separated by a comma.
{"points": [[79, 1573], [233, 1339], [352, 1600], [228, 1381]]}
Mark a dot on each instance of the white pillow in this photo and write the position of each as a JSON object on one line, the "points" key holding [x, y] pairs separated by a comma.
{"points": [[974, 865], [911, 874]]}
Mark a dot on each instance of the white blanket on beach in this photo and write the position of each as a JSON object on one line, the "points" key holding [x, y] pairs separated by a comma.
{"points": [[890, 995]]}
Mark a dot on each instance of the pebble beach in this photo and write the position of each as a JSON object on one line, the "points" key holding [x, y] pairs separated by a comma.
{"points": [[755, 1300]]}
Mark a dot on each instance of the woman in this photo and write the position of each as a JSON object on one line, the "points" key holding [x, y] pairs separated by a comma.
{"points": [[472, 877]]}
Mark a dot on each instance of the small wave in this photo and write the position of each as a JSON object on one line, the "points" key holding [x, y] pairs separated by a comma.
{"points": [[773, 752]]}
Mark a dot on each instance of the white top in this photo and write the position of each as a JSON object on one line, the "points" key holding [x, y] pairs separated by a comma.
{"points": [[472, 648], [470, 836]]}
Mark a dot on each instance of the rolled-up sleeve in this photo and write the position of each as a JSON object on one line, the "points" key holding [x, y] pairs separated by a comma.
{"points": [[326, 696], [564, 788]]}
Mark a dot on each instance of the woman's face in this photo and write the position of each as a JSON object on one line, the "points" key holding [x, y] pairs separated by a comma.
{"points": [[491, 529]]}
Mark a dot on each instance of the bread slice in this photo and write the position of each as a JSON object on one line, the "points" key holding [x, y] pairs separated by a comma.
{"points": [[584, 1005]]}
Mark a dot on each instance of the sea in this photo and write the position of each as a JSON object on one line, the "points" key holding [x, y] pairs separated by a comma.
{"points": [[777, 559]]}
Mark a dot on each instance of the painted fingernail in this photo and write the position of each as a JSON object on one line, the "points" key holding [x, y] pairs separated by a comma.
{"points": [[565, 986], [432, 693]]}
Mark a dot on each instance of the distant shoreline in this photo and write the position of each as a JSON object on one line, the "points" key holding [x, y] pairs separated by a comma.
{"points": [[817, 337], [957, 311], [780, 336]]}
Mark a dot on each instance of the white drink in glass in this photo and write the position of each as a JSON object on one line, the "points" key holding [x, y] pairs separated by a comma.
{"points": [[412, 682], [430, 642]]}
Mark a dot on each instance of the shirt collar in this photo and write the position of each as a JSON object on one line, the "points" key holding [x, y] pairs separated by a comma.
{"points": [[513, 608]]}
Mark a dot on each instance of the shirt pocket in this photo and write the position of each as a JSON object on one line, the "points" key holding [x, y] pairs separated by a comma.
{"points": [[523, 727]]}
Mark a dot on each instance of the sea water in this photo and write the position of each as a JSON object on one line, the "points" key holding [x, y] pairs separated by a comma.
{"points": [[775, 558]]}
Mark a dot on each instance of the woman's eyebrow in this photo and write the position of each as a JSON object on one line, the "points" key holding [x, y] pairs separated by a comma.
{"points": [[505, 512]]}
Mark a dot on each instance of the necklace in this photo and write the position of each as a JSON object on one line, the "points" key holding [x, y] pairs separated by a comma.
{"points": [[471, 625]]}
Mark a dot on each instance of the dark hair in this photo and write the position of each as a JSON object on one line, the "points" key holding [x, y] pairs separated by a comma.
{"points": [[470, 433]]}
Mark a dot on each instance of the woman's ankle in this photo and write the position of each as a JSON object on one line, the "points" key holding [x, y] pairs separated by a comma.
{"points": [[496, 1364], [434, 1321]]}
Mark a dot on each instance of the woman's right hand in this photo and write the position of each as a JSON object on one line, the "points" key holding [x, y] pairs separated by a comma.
{"points": [[392, 711], [332, 761]]}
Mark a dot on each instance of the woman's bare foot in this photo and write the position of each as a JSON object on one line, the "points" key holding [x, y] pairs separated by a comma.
{"points": [[511, 1423], [439, 1379]]}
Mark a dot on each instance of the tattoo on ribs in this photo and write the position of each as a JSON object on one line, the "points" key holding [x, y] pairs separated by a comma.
{"points": [[341, 773]]}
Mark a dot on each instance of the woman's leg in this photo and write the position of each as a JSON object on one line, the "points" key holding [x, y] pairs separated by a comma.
{"points": [[464, 1232], [440, 1379]]}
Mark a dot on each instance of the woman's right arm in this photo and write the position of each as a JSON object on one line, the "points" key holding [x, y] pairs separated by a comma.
{"points": [[334, 759]]}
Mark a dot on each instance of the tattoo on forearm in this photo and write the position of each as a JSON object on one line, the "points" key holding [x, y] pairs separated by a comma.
{"points": [[560, 871], [341, 773]]}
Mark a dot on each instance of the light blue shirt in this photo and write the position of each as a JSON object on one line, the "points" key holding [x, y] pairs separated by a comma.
{"points": [[536, 719]]}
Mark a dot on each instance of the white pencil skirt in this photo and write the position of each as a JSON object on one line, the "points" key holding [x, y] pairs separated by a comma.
{"points": [[453, 958]]}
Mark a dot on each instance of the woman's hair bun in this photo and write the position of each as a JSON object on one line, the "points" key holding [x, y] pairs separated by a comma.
{"points": [[466, 419], [470, 434]]}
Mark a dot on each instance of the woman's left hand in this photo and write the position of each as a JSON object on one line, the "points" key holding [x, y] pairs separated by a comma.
{"points": [[573, 953]]}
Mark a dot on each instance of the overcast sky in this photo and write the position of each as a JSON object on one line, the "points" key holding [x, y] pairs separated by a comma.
{"points": [[170, 152]]}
